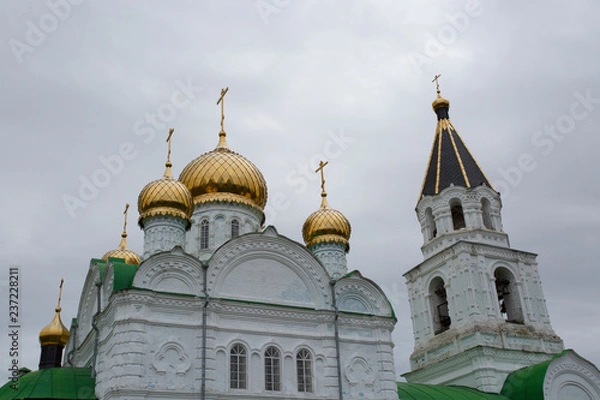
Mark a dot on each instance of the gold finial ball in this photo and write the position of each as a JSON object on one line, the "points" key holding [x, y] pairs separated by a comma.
{"points": [[326, 225], [223, 175], [165, 196], [55, 333]]}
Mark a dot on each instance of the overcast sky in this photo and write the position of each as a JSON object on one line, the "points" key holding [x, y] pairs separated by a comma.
{"points": [[344, 80]]}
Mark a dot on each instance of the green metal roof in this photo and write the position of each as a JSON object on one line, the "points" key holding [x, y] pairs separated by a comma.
{"points": [[528, 383], [52, 383], [124, 274], [419, 391]]}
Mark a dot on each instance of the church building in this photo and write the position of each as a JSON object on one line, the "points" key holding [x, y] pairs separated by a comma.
{"points": [[218, 306]]}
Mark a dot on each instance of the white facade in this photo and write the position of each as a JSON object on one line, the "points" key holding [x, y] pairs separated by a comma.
{"points": [[259, 292]]}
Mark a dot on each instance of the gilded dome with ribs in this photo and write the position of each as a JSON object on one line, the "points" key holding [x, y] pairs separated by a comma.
{"points": [[165, 196], [326, 225], [223, 175]]}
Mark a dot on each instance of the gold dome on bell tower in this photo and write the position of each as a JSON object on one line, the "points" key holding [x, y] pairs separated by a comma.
{"points": [[223, 175], [326, 225]]}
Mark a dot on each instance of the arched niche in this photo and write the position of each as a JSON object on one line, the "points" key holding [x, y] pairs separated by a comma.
{"points": [[439, 305]]}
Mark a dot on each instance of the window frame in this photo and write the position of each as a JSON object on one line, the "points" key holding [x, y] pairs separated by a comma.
{"points": [[204, 234], [238, 367], [272, 369], [304, 375]]}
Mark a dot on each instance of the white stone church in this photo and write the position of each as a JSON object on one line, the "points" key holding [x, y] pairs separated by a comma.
{"points": [[220, 307]]}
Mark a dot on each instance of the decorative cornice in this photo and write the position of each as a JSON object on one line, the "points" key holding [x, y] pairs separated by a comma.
{"points": [[465, 358], [472, 248]]}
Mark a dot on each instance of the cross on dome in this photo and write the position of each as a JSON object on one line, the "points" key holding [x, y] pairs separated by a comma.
{"points": [[437, 83], [222, 102], [222, 141], [323, 192], [168, 174], [62, 281], [124, 234]]}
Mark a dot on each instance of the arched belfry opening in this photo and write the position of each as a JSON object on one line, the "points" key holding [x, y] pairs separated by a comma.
{"points": [[439, 305], [458, 217], [430, 224], [486, 213], [508, 296]]}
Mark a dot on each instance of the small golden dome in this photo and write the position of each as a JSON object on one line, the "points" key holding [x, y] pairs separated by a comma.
{"points": [[440, 102], [223, 175], [326, 225], [165, 196], [55, 332], [131, 257]]}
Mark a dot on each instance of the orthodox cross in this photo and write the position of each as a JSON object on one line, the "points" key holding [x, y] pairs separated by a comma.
{"points": [[222, 102], [125, 222], [321, 167], [169, 141], [437, 83], [60, 294]]}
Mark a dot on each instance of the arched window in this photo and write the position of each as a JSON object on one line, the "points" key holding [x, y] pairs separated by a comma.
{"points": [[204, 234], [486, 213], [508, 296], [272, 369], [430, 223], [304, 371], [458, 218], [439, 305], [235, 228], [237, 367]]}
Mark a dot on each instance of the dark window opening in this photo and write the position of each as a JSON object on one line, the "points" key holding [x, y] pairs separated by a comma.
{"points": [[486, 213], [204, 235], [458, 218], [235, 228], [508, 297], [439, 303], [430, 224]]}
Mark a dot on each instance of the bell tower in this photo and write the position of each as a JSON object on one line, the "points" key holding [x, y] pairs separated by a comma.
{"points": [[477, 304]]}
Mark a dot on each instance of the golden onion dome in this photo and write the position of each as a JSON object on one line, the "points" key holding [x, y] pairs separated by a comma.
{"points": [[326, 225], [130, 257], [440, 102], [223, 175], [165, 196], [55, 332]]}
